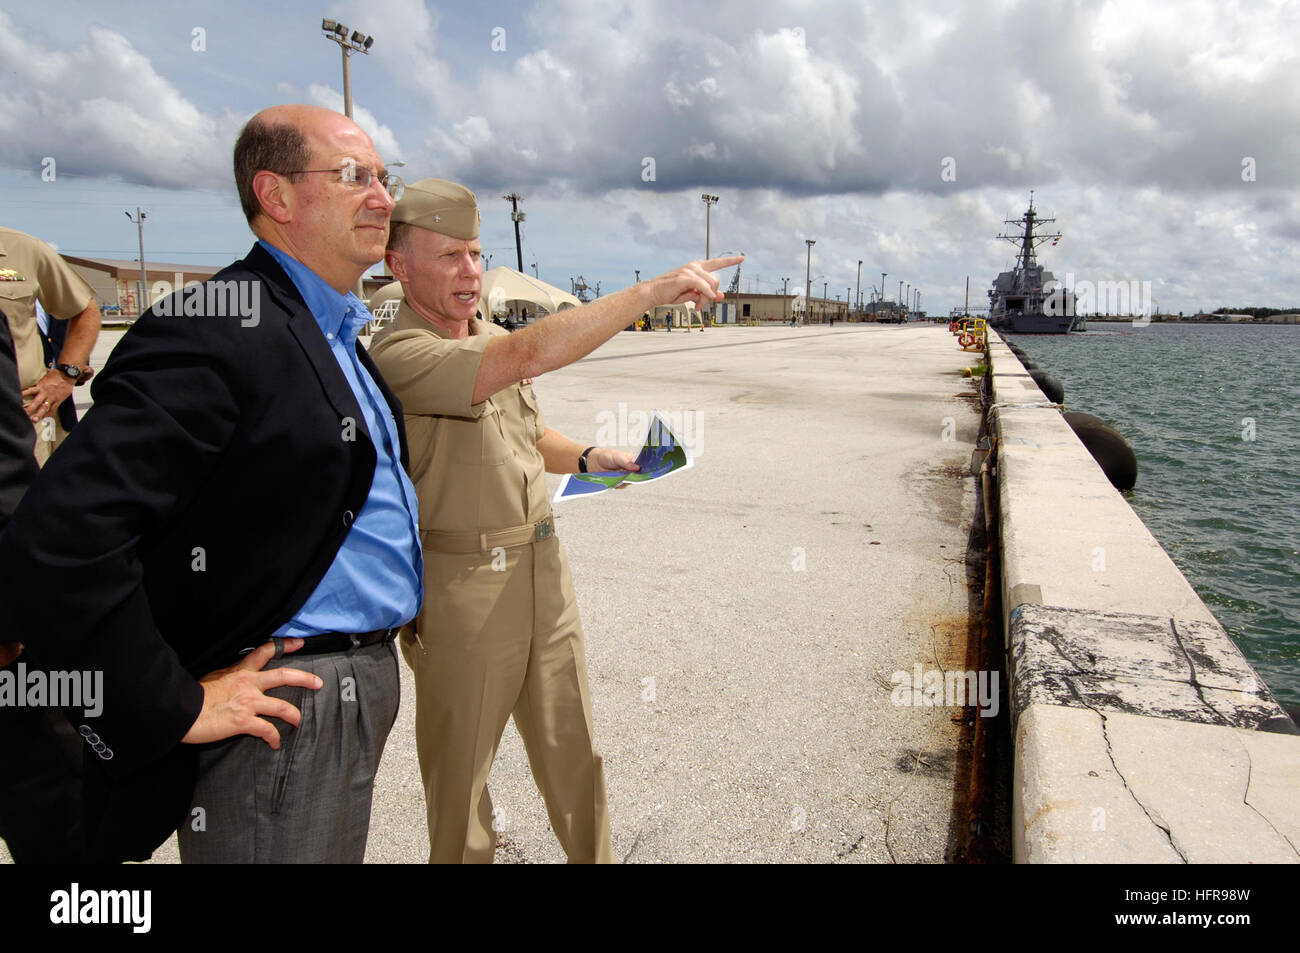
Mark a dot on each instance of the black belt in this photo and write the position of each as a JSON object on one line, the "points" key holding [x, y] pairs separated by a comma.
{"points": [[334, 642]]}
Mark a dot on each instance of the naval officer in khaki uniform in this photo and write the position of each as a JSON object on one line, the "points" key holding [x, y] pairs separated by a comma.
{"points": [[499, 632], [31, 270]]}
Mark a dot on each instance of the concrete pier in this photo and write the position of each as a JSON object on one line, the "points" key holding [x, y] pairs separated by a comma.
{"points": [[747, 621], [1142, 735]]}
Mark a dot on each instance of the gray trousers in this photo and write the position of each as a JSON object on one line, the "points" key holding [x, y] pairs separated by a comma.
{"points": [[309, 801]]}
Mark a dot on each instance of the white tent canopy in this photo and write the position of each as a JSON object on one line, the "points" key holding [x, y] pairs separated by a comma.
{"points": [[502, 287]]}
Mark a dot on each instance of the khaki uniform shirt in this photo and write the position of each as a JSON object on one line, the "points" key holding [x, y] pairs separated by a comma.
{"points": [[31, 270], [476, 467]]}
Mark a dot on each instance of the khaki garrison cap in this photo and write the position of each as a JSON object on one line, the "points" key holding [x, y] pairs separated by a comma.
{"points": [[439, 206]]}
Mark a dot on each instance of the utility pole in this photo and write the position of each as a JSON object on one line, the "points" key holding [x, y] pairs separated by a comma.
{"points": [[857, 299], [516, 216], [142, 302], [825, 300]]}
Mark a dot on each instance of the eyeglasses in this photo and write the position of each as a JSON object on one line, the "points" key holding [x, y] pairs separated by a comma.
{"points": [[362, 176]]}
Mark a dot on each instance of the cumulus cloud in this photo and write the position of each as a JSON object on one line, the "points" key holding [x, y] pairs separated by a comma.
{"points": [[837, 97], [1163, 133], [383, 137], [101, 109]]}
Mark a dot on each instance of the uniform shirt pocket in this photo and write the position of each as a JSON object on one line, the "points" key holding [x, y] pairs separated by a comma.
{"points": [[480, 441]]}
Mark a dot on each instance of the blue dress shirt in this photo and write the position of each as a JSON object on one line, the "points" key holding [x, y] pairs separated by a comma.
{"points": [[376, 579]]}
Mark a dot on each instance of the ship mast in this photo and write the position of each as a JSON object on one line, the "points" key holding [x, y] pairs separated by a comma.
{"points": [[1026, 238]]}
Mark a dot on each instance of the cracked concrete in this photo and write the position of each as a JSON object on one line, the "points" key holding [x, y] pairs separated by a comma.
{"points": [[1137, 664]]}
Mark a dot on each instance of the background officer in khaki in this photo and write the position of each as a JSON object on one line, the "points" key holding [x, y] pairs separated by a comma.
{"points": [[499, 632], [31, 270]]}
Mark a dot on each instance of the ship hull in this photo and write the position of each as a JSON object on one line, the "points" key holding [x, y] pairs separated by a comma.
{"points": [[1021, 323]]}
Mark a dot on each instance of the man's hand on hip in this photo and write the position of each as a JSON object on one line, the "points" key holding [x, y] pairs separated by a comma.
{"points": [[42, 399], [234, 698]]}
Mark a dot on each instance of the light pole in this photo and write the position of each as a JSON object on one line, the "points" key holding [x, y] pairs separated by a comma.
{"points": [[143, 301], [857, 299], [807, 291], [785, 297], [709, 202], [357, 42], [535, 275], [881, 298]]}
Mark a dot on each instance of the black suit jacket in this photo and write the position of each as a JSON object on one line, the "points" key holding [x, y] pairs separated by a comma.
{"points": [[191, 514]]}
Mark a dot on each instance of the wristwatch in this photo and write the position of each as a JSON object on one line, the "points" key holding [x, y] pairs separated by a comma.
{"points": [[582, 460], [75, 373]]}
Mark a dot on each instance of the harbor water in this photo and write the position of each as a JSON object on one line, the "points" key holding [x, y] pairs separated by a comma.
{"points": [[1211, 412]]}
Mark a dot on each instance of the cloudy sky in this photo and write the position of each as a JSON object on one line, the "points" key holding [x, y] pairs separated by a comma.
{"points": [[1163, 136]]}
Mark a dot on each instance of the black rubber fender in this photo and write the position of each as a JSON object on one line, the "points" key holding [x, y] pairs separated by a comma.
{"points": [[1049, 385], [1111, 451]]}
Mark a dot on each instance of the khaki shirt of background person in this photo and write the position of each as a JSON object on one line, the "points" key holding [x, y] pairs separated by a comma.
{"points": [[30, 270]]}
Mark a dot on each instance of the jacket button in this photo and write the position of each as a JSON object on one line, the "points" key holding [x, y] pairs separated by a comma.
{"points": [[347, 517]]}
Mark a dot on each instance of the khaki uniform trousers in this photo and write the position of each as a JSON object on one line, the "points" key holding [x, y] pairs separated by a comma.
{"points": [[497, 641], [49, 434]]}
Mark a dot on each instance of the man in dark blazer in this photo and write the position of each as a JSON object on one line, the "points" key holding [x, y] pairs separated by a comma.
{"points": [[40, 754], [239, 478]]}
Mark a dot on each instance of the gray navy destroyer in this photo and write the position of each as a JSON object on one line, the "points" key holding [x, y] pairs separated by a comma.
{"points": [[1028, 299]]}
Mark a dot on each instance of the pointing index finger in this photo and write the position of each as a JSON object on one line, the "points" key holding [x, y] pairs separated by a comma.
{"points": [[717, 264]]}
